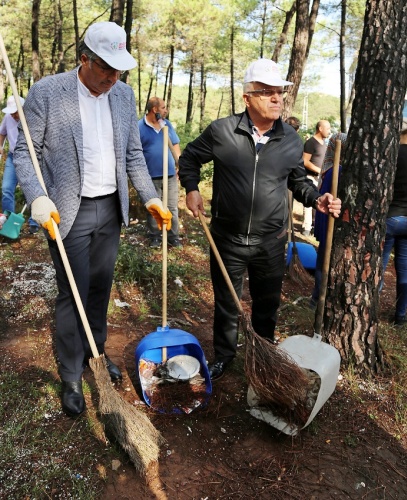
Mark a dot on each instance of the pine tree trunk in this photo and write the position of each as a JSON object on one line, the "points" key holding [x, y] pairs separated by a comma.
{"points": [[35, 41], [352, 303]]}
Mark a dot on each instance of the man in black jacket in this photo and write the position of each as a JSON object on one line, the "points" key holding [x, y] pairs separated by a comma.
{"points": [[256, 156]]}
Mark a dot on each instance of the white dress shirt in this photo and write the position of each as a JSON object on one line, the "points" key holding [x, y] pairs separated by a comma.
{"points": [[98, 147]]}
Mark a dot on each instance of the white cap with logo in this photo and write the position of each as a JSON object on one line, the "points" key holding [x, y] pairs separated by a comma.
{"points": [[11, 106], [265, 71], [108, 41]]}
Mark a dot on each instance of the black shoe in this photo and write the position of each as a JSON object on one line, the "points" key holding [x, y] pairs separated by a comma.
{"points": [[174, 243], [73, 402], [155, 243], [400, 321], [33, 229], [217, 369], [114, 372]]}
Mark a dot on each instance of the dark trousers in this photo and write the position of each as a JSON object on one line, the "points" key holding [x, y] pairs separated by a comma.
{"points": [[264, 264], [91, 246]]}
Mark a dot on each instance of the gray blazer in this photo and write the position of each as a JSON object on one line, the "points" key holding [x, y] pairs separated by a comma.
{"points": [[53, 117]]}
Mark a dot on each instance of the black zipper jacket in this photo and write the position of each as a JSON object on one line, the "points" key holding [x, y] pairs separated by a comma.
{"points": [[249, 199]]}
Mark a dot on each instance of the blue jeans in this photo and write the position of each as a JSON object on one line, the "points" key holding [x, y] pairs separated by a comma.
{"points": [[8, 188], [396, 237], [153, 231]]}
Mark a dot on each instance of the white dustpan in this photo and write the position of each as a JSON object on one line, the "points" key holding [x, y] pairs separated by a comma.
{"points": [[311, 354]]}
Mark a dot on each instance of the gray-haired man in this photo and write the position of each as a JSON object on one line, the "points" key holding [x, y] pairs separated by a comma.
{"points": [[85, 134]]}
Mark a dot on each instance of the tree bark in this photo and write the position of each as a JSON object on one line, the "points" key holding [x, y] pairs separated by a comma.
{"points": [[304, 30], [35, 42], [263, 27], [283, 36], [76, 29], [342, 71], [117, 12], [202, 98], [190, 101], [352, 303], [232, 68]]}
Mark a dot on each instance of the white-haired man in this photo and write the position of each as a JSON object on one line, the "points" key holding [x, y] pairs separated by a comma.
{"points": [[256, 156]]}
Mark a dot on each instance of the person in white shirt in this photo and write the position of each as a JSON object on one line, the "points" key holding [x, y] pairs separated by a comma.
{"points": [[84, 128]]}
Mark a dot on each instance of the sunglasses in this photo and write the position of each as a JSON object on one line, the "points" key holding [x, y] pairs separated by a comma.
{"points": [[266, 92], [107, 70]]}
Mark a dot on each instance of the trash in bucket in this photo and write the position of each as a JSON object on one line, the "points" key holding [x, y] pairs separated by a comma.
{"points": [[322, 363], [182, 383]]}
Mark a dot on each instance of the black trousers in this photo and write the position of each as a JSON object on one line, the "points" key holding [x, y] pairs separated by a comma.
{"points": [[264, 264], [91, 246]]}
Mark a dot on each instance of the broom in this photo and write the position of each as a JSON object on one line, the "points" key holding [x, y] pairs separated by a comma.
{"points": [[132, 429], [296, 271], [276, 379]]}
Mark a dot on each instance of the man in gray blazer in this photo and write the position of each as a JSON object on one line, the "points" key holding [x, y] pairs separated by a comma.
{"points": [[84, 129]]}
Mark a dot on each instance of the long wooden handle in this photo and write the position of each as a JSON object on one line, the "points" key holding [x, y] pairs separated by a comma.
{"points": [[220, 262], [165, 235], [319, 314], [60, 244]]}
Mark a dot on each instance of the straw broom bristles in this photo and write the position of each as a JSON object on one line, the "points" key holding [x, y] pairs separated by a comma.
{"points": [[296, 271], [132, 428], [277, 380]]}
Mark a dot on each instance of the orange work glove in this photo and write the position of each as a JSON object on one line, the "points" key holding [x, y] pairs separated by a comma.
{"points": [[43, 211], [156, 209]]}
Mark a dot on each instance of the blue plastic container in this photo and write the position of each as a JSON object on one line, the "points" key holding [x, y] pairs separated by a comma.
{"points": [[176, 342], [306, 253]]}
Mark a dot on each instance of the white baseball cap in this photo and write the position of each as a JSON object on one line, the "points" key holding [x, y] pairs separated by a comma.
{"points": [[108, 41], [11, 106], [265, 71]]}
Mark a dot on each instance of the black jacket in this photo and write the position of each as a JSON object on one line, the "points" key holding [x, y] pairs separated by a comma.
{"points": [[249, 189], [398, 206]]}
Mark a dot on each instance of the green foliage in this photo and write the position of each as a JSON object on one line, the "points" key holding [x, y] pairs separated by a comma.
{"points": [[36, 459], [141, 266]]}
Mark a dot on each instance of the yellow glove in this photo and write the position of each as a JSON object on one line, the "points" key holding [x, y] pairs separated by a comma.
{"points": [[43, 211], [156, 209]]}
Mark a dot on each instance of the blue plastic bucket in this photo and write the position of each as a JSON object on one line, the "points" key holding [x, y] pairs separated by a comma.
{"points": [[306, 253], [176, 342]]}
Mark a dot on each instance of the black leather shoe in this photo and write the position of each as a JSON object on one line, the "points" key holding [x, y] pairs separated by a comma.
{"points": [[114, 372], [73, 402], [217, 369]]}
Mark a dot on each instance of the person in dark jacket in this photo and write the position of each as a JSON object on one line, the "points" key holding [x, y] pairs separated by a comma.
{"points": [[396, 233], [256, 156]]}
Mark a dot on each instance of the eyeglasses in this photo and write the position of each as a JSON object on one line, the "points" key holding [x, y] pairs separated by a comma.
{"points": [[267, 92], [107, 70]]}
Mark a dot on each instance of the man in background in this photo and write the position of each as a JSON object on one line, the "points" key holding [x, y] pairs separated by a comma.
{"points": [[85, 130], [314, 153], [151, 136], [294, 122], [9, 132]]}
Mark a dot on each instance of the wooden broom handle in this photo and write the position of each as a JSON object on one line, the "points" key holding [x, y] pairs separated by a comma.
{"points": [[220, 262], [60, 244], [165, 235], [328, 243]]}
